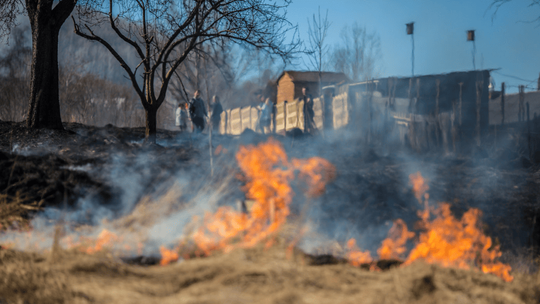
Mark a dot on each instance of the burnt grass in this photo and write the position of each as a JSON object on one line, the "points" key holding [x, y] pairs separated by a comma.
{"points": [[56, 168]]}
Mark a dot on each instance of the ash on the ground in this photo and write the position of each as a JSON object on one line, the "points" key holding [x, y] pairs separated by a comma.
{"points": [[57, 168]]}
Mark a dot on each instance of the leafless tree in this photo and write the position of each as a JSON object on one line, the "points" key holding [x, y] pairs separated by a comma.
{"points": [[164, 32], [231, 72], [358, 53], [317, 47], [46, 19]]}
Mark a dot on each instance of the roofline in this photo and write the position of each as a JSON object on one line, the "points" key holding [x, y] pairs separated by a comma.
{"points": [[440, 74], [287, 71]]}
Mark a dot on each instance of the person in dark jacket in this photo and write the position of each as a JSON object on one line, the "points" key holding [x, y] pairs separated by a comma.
{"points": [[217, 109], [309, 114], [198, 112]]}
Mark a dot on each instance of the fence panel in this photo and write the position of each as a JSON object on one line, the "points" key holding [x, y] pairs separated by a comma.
{"points": [[280, 117], [235, 122], [340, 110], [292, 116], [223, 123], [246, 118], [318, 109], [254, 119]]}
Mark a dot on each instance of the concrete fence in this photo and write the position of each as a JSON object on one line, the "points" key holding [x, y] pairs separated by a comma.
{"points": [[288, 116]]}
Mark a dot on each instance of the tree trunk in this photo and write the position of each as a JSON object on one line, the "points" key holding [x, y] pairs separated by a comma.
{"points": [[44, 109], [151, 125]]}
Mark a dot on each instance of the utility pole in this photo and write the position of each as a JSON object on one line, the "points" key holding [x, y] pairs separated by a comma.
{"points": [[410, 31], [470, 37]]}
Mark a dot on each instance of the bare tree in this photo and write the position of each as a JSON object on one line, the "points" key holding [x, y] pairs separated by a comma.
{"points": [[358, 53], [46, 19], [318, 49], [164, 32]]}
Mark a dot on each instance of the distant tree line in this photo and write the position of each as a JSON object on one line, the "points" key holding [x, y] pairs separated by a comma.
{"points": [[93, 90], [357, 55]]}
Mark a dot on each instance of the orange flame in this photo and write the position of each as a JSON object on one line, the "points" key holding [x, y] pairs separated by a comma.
{"points": [[168, 256], [393, 247], [268, 174], [355, 256], [445, 240], [420, 189], [104, 239], [452, 242], [461, 244]]}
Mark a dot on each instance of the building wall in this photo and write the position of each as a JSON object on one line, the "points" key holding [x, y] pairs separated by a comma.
{"points": [[313, 88], [285, 89]]}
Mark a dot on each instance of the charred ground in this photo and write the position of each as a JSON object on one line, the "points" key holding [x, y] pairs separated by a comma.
{"points": [[53, 170]]}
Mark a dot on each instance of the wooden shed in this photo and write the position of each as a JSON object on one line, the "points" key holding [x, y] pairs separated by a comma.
{"points": [[290, 83]]}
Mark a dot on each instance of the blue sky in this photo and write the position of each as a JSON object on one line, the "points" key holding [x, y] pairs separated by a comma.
{"points": [[509, 41]]}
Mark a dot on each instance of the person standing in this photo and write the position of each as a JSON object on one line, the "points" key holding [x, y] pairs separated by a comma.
{"points": [[181, 117], [309, 114], [266, 116], [198, 112], [217, 109]]}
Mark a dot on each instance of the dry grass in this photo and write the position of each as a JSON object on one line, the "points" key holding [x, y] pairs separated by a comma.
{"points": [[245, 276], [14, 210]]}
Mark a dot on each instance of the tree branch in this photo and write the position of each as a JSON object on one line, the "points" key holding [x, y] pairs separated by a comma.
{"points": [[124, 65]]}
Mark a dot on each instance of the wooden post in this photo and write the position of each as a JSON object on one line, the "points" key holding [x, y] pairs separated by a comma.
{"points": [[410, 96], [479, 85], [438, 128], [502, 103], [370, 109], [521, 110], [460, 102], [529, 132], [454, 125], [417, 95], [425, 134], [538, 84], [438, 82], [412, 131]]}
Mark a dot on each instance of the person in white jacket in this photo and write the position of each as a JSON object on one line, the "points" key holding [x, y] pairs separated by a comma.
{"points": [[265, 116], [182, 116]]}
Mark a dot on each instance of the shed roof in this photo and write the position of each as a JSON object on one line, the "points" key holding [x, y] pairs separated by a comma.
{"points": [[311, 76]]}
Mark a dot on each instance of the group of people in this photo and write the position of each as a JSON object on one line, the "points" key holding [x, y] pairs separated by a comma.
{"points": [[266, 110], [195, 110]]}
